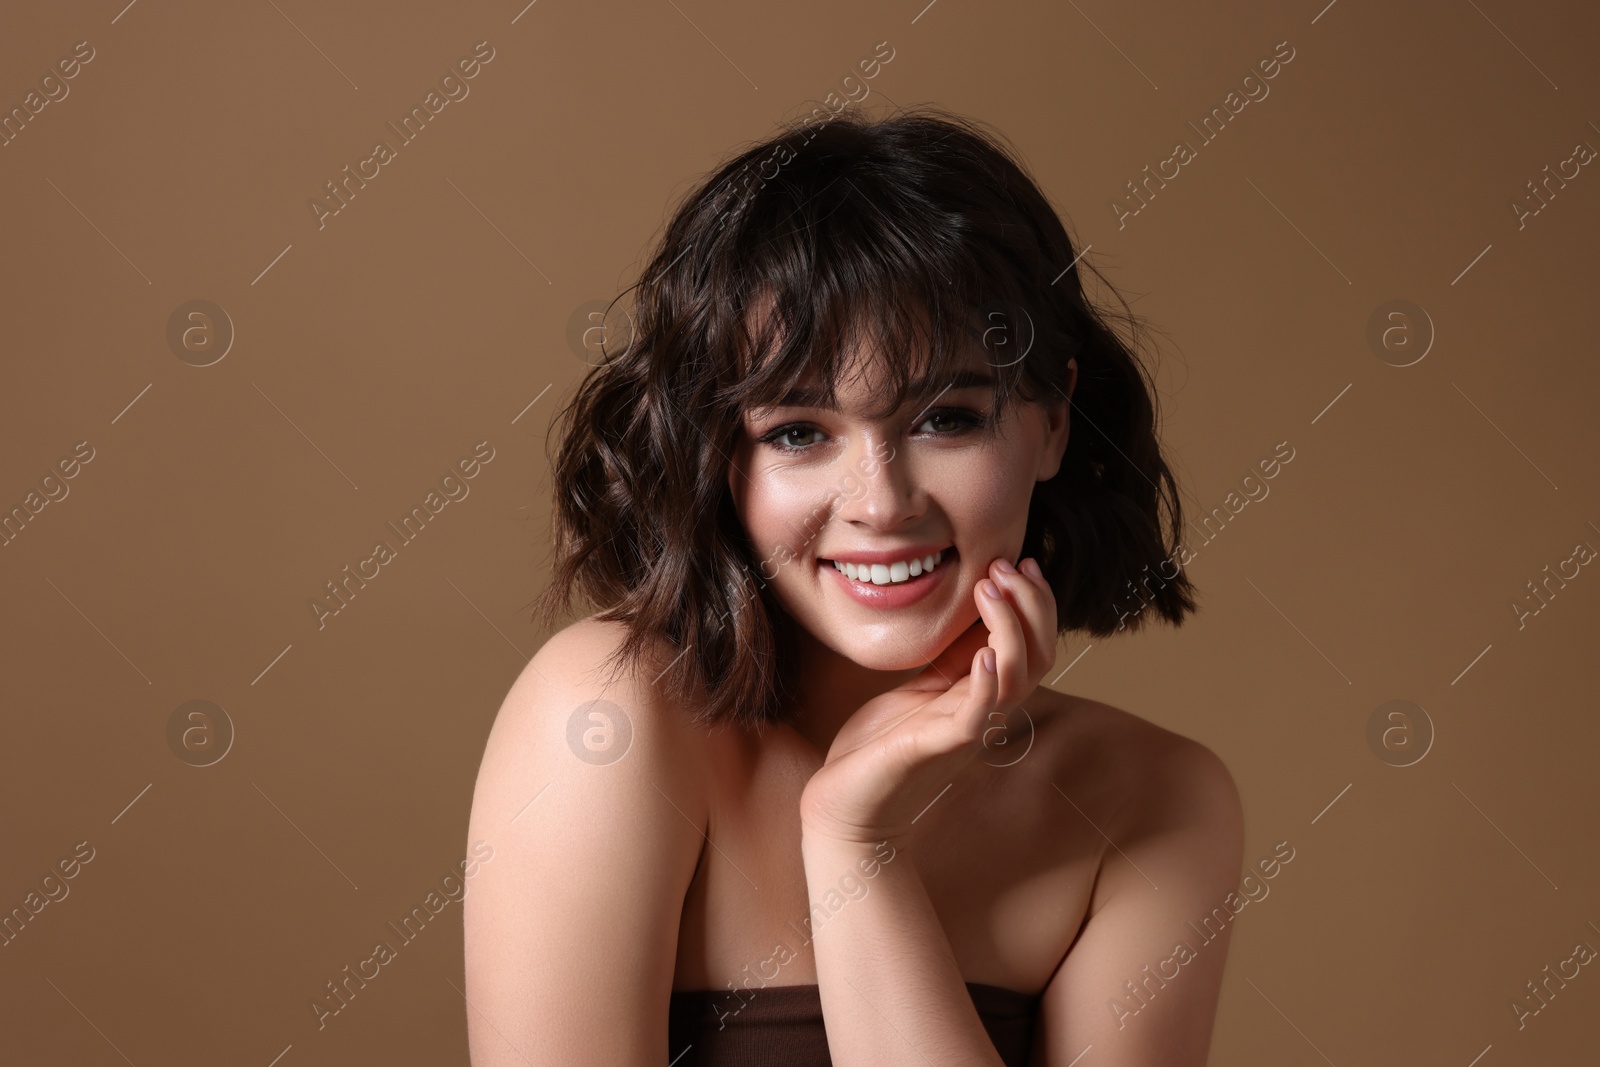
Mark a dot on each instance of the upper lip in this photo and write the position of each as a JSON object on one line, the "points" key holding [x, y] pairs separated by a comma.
{"points": [[887, 555]]}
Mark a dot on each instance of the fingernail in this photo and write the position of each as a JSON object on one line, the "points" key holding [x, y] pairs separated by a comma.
{"points": [[1005, 566], [988, 660], [989, 589], [1030, 566]]}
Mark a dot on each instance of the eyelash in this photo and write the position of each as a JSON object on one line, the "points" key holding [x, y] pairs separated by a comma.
{"points": [[968, 421]]}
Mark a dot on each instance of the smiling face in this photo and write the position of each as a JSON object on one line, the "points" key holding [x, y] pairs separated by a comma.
{"points": [[819, 488]]}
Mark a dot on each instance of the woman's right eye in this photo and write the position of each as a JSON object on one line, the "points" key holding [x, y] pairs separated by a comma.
{"points": [[781, 440]]}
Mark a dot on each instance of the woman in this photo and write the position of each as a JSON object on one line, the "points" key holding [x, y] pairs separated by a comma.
{"points": [[868, 452]]}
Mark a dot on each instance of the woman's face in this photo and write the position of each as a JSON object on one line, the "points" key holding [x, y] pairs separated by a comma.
{"points": [[816, 487]]}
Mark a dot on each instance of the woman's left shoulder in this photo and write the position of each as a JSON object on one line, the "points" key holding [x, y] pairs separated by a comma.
{"points": [[1146, 772]]}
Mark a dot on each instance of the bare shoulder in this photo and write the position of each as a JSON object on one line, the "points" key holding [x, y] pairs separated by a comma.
{"points": [[591, 728], [1144, 777], [590, 794], [579, 655], [1169, 812], [573, 690]]}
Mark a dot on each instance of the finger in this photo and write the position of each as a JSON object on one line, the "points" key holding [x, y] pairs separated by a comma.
{"points": [[1035, 602], [1008, 639], [983, 695]]}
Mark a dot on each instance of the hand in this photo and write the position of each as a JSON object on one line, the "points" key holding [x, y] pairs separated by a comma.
{"points": [[900, 749]]}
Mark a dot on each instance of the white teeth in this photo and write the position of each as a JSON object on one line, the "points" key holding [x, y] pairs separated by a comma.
{"points": [[889, 574]]}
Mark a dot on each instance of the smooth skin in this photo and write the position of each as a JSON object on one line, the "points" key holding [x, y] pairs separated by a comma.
{"points": [[1071, 870]]}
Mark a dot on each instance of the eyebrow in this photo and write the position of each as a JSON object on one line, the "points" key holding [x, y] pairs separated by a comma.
{"points": [[811, 397]]}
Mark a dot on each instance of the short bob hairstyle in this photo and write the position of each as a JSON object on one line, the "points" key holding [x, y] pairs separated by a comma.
{"points": [[914, 231]]}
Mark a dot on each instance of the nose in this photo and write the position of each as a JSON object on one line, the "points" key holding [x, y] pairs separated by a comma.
{"points": [[886, 492]]}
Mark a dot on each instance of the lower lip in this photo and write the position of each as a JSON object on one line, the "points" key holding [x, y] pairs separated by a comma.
{"points": [[895, 594]]}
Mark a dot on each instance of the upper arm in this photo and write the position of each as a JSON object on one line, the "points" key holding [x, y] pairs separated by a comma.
{"points": [[1142, 980], [571, 928]]}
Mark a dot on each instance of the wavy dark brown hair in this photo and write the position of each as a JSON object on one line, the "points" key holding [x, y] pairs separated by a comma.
{"points": [[913, 232]]}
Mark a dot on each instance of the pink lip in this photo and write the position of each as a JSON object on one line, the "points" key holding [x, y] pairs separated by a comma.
{"points": [[894, 595]]}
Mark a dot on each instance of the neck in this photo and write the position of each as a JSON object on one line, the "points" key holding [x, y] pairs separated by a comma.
{"points": [[831, 687]]}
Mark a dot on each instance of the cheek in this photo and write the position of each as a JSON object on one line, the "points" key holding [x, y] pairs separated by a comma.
{"points": [[781, 513], [996, 490]]}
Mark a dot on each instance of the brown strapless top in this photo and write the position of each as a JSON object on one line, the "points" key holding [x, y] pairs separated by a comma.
{"points": [[781, 1026]]}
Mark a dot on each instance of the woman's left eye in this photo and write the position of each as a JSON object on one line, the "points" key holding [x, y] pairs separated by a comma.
{"points": [[961, 417]]}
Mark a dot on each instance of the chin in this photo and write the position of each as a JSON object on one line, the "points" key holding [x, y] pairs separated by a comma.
{"points": [[889, 650], [891, 663]]}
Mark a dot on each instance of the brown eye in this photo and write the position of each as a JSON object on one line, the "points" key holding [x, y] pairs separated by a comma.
{"points": [[781, 439], [958, 420]]}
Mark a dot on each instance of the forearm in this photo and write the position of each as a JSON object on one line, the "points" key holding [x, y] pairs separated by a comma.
{"points": [[891, 991]]}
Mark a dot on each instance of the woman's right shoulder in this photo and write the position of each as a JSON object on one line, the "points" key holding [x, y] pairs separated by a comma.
{"points": [[591, 793], [576, 656], [573, 707]]}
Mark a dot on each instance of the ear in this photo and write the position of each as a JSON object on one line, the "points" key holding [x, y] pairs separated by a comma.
{"points": [[1058, 422]]}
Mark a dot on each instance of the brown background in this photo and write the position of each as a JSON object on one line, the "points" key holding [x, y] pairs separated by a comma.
{"points": [[436, 307]]}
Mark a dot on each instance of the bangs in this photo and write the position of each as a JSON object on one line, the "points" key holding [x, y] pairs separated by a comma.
{"points": [[821, 267]]}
